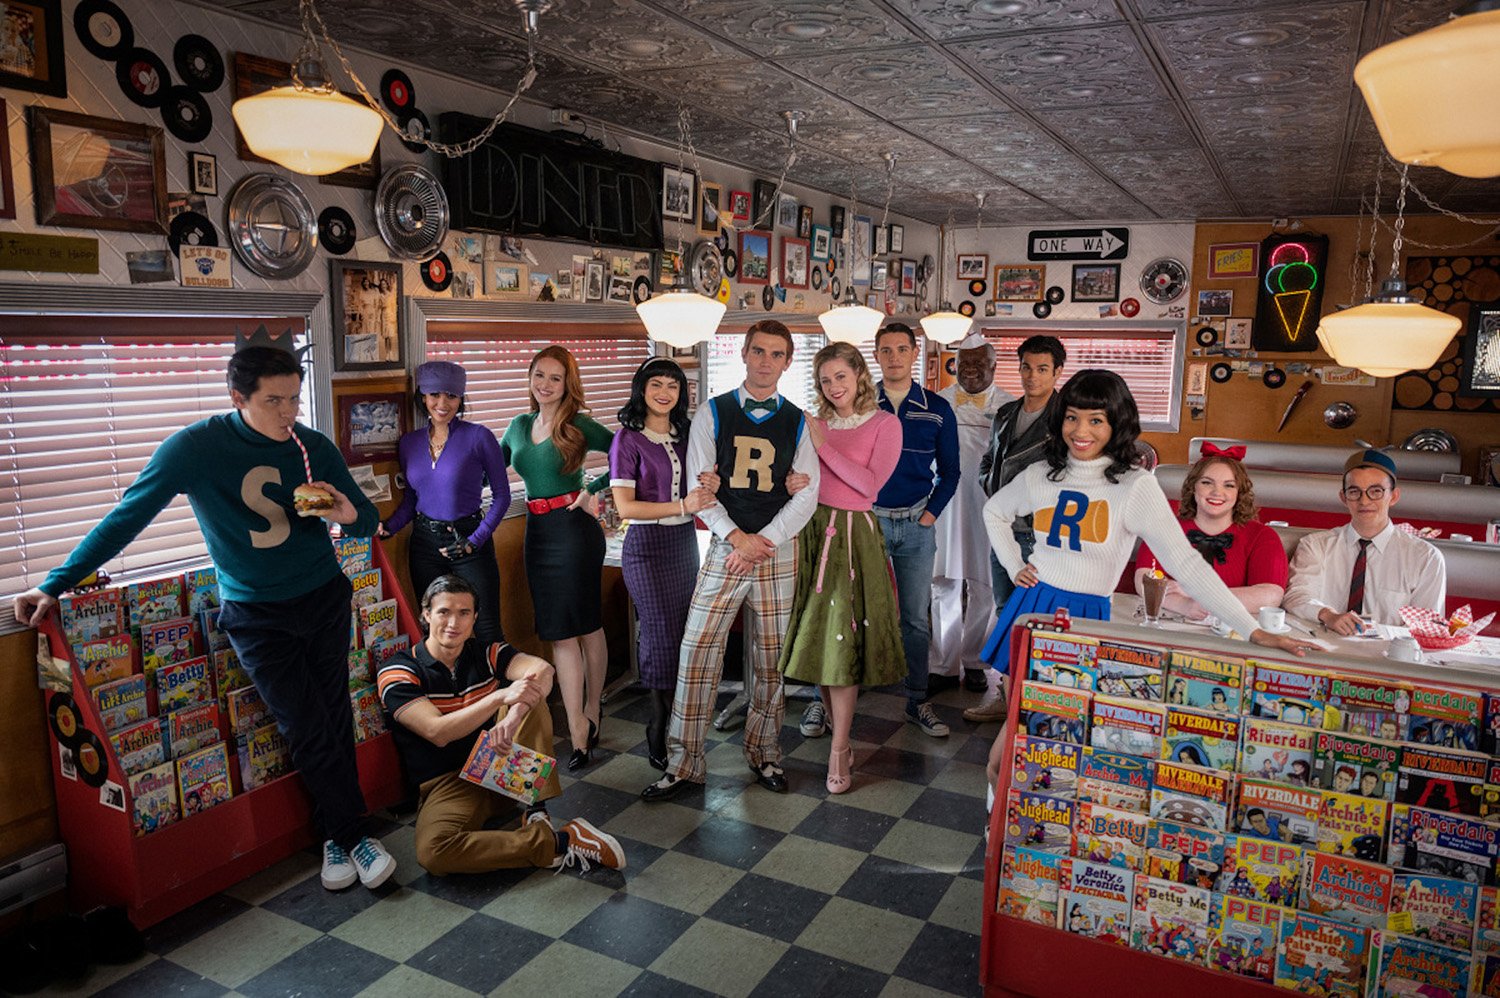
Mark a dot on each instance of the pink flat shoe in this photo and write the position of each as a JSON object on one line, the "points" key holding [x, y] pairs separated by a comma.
{"points": [[839, 765]]}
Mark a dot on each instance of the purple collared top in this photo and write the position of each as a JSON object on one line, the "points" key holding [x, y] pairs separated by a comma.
{"points": [[655, 465], [452, 487]]}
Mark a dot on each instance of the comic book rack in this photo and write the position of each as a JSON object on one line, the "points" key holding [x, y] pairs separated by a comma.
{"points": [[157, 875], [1021, 959]]}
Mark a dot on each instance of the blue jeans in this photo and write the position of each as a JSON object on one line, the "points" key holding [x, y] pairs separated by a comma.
{"points": [[912, 548], [1002, 584]]}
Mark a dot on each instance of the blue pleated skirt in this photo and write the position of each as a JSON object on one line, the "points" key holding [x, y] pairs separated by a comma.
{"points": [[1040, 598]]}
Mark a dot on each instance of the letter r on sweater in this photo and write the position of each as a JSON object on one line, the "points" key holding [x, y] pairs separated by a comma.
{"points": [[1084, 520], [752, 454]]}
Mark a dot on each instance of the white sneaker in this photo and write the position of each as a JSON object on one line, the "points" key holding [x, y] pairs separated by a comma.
{"points": [[373, 863], [338, 872]]}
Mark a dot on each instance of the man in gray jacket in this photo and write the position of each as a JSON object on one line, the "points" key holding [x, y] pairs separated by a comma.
{"points": [[1016, 436]]}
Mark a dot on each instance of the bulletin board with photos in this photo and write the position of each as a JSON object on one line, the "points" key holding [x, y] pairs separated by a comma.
{"points": [[1204, 822]]}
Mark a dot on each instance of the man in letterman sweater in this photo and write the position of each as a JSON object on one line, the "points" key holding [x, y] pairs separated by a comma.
{"points": [[286, 604], [753, 438]]}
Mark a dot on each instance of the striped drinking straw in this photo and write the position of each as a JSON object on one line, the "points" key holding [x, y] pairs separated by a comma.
{"points": [[306, 463]]}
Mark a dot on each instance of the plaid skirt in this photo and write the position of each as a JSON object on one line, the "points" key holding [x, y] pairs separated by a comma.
{"points": [[660, 565]]}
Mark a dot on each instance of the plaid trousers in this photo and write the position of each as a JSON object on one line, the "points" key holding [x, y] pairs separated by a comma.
{"points": [[717, 598]]}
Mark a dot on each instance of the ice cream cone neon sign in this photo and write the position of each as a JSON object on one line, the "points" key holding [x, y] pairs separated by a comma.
{"points": [[1290, 280]]}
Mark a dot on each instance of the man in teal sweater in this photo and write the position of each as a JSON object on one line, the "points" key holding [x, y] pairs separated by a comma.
{"points": [[286, 604]]}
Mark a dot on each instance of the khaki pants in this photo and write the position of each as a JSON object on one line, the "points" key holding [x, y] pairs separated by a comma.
{"points": [[451, 814]]}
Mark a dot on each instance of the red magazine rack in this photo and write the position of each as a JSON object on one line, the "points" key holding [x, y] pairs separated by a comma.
{"points": [[157, 875], [1020, 959]]}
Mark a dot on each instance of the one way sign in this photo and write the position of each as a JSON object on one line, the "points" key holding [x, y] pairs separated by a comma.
{"points": [[1078, 244]]}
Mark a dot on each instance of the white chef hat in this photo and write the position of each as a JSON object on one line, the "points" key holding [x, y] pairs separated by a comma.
{"points": [[974, 341]]}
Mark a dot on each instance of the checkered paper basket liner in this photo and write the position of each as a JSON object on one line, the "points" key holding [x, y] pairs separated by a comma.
{"points": [[1433, 631]]}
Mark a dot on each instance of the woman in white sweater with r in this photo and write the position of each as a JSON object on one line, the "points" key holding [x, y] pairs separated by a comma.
{"points": [[1089, 503]]}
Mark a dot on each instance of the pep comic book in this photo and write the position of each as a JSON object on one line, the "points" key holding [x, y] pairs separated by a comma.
{"points": [[1442, 909], [1278, 811], [1357, 764], [1185, 853], [1115, 779], [166, 641], [1038, 821], [1262, 870], [1350, 825], [1191, 795], [1320, 956], [1207, 682], [1029, 885], [1109, 835], [1045, 766], [1133, 727], [1276, 751], [1171, 919], [1347, 890], [1096, 900], [1243, 935], [1201, 738], [1134, 671]]}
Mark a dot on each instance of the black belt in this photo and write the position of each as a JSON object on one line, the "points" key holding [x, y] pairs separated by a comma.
{"points": [[462, 527]]}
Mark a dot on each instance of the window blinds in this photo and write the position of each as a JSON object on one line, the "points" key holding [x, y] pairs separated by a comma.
{"points": [[1146, 360]]}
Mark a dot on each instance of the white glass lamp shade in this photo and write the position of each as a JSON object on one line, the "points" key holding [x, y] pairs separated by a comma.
{"points": [[1397, 81], [315, 132], [851, 323], [1385, 339], [681, 318], [946, 327]]}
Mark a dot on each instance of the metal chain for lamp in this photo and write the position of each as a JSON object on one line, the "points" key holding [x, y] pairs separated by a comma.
{"points": [[979, 211], [792, 117], [1400, 226], [310, 50], [890, 187]]}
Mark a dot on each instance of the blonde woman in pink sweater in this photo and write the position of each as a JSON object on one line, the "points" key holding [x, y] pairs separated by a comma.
{"points": [[845, 626]]}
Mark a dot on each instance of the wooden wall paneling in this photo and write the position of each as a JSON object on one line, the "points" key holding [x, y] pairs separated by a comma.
{"points": [[28, 818]]}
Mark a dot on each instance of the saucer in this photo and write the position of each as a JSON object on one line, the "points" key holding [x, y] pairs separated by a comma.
{"points": [[1283, 629]]}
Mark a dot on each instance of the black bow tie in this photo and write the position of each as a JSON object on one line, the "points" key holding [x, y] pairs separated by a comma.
{"points": [[1213, 547]]}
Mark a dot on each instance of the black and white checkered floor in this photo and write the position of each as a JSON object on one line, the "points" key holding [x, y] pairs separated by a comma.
{"points": [[731, 890]]}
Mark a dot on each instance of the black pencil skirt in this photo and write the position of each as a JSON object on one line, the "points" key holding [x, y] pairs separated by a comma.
{"points": [[564, 554]]}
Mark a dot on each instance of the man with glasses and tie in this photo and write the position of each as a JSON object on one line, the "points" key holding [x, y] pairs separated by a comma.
{"points": [[1366, 570]]}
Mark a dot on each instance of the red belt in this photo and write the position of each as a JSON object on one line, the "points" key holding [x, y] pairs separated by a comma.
{"points": [[542, 506]]}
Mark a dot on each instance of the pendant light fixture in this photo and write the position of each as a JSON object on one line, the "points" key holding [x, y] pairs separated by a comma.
{"points": [[309, 127], [1393, 332], [1397, 81], [681, 317], [849, 321], [947, 326]]}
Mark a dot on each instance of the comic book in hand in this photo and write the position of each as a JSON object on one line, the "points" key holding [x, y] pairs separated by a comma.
{"points": [[1200, 738], [1054, 712], [369, 719], [263, 756], [1208, 682], [1096, 900], [1134, 727], [1185, 853], [148, 602], [1403, 966], [1451, 845], [354, 554], [202, 590], [1351, 825], [203, 778], [1115, 779], [247, 710], [1127, 670], [153, 798], [191, 728], [1171, 919], [1442, 909], [104, 659], [166, 641], [1029, 885], [1243, 935], [1347, 890], [1262, 870], [122, 702], [1038, 821], [1357, 764], [1063, 660], [367, 588], [1278, 811], [1369, 706], [1277, 751], [139, 747], [1109, 835], [1444, 716], [519, 773], [1042, 765], [182, 684], [376, 621], [1287, 693], [90, 616], [1191, 795], [1442, 778], [1321, 956]]}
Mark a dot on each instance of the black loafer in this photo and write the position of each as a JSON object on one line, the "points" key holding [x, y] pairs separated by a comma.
{"points": [[664, 789], [770, 777], [975, 680]]}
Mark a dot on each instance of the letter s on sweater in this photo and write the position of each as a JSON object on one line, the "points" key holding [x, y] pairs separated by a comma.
{"points": [[252, 491]]}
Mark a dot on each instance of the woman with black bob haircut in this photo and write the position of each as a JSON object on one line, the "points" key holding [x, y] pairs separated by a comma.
{"points": [[1089, 504], [648, 480]]}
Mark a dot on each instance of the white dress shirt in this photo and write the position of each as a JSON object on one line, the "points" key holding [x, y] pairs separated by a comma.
{"points": [[792, 517], [1400, 570], [963, 549]]}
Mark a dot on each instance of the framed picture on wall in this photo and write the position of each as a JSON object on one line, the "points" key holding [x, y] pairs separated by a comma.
{"points": [[97, 173], [836, 221], [678, 188], [371, 424], [31, 47], [794, 262], [710, 201], [739, 206], [973, 266], [908, 277], [822, 242], [1216, 302], [755, 258], [7, 184], [203, 173], [1230, 260], [1096, 282], [1019, 282], [1237, 333], [763, 204], [897, 239], [367, 326], [1481, 352]]}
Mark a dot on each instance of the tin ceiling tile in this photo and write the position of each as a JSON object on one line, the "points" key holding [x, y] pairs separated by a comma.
{"points": [[1122, 128], [1058, 69], [896, 83], [794, 27], [950, 19]]}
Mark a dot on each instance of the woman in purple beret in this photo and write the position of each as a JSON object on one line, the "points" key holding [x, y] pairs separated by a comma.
{"points": [[648, 477], [446, 465]]}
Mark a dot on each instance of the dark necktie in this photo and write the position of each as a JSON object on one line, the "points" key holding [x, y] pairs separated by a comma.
{"points": [[1357, 579]]}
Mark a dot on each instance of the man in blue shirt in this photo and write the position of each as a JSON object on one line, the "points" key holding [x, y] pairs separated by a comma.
{"points": [[913, 498]]}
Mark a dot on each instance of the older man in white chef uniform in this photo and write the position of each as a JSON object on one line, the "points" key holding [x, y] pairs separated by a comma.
{"points": [[963, 605]]}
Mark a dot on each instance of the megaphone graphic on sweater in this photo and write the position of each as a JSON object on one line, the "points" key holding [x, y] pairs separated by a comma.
{"points": [[1072, 521]]}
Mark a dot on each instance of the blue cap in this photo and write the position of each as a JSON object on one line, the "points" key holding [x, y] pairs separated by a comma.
{"points": [[441, 376], [1372, 459]]}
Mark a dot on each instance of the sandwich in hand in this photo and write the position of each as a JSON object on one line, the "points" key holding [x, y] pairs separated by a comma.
{"points": [[309, 500]]}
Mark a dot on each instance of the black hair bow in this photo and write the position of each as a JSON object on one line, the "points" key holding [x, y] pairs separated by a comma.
{"points": [[1213, 547]]}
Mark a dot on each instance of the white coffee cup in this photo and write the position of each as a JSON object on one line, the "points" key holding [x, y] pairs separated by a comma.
{"points": [[1461, 538], [1404, 649], [1272, 618]]}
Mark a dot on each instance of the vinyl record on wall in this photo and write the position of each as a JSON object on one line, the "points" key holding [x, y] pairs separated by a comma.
{"points": [[966, 309], [397, 93], [1207, 336], [1220, 373], [977, 288], [103, 29], [186, 114], [1129, 308], [641, 290], [414, 128], [1041, 310], [191, 229], [62, 715], [93, 764], [1055, 295], [336, 230], [143, 77], [437, 273], [835, 287], [198, 63], [730, 262], [767, 297], [1274, 377], [817, 278]]}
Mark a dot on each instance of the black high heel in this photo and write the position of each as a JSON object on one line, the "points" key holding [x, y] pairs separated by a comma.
{"points": [[578, 759], [593, 742]]}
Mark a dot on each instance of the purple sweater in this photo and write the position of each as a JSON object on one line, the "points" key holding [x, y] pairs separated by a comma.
{"points": [[452, 487]]}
